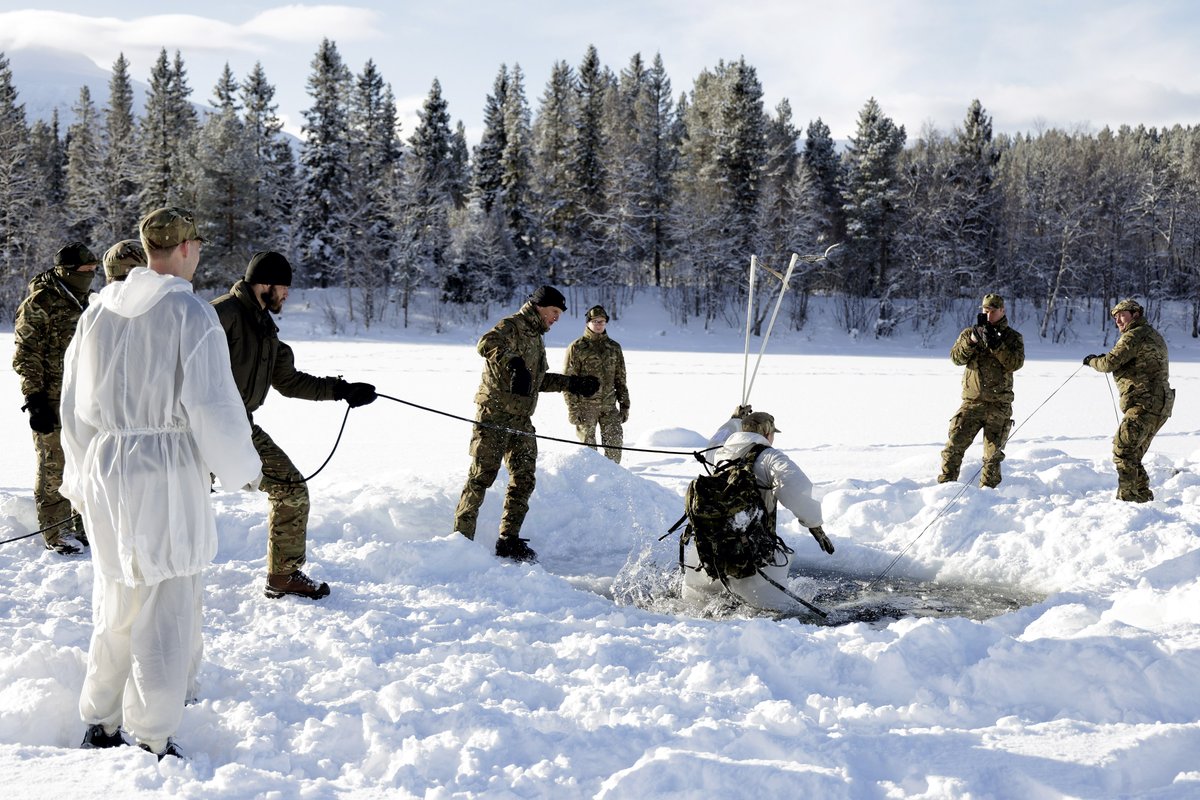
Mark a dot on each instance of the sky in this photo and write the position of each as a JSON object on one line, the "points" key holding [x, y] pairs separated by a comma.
{"points": [[1032, 64]]}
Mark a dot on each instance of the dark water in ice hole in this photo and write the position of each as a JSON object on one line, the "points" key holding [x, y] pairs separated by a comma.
{"points": [[845, 598]]}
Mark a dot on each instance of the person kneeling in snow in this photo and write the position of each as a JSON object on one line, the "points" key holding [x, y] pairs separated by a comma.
{"points": [[785, 483], [149, 409]]}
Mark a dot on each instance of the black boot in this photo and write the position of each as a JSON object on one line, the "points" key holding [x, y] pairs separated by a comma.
{"points": [[171, 749], [515, 548], [95, 738]]}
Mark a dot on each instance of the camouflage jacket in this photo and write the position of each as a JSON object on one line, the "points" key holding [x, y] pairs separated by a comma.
{"points": [[45, 326], [519, 335], [258, 358], [1139, 363], [988, 377], [597, 355]]}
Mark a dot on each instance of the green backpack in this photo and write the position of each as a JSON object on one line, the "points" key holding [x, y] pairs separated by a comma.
{"points": [[733, 529]]}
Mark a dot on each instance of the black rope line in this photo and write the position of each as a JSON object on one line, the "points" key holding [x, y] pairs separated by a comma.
{"points": [[325, 463], [698, 454], [49, 527], [968, 483]]}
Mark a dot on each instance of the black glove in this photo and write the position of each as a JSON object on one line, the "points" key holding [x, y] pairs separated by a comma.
{"points": [[1087, 360], [583, 385], [979, 333], [522, 379], [741, 412], [624, 414], [823, 540], [42, 418], [355, 394], [993, 337]]}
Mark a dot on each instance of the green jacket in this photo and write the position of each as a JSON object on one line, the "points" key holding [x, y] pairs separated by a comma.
{"points": [[597, 355], [518, 335], [45, 326], [258, 358], [988, 377], [1139, 363]]}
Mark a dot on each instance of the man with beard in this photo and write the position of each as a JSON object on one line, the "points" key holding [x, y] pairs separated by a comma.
{"points": [[44, 328], [261, 361]]}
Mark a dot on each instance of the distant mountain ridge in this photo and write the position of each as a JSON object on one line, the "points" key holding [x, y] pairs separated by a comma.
{"points": [[51, 79]]}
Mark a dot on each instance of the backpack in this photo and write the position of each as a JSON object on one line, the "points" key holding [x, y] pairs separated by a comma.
{"points": [[733, 529]]}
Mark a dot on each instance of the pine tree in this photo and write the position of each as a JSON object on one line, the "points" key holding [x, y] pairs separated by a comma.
{"points": [[118, 209], [870, 197], [553, 137], [516, 187], [658, 127], [18, 184], [166, 134], [431, 175], [589, 203], [825, 171], [83, 198], [223, 165], [628, 177], [489, 153], [325, 208], [272, 190], [375, 164]]}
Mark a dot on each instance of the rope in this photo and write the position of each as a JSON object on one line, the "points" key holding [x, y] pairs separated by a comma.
{"points": [[504, 429], [968, 483], [49, 527], [324, 463]]}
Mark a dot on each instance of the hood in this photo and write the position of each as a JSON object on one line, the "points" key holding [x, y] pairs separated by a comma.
{"points": [[140, 292], [738, 443]]}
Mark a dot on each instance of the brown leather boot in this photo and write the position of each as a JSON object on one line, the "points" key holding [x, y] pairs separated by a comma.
{"points": [[296, 583]]}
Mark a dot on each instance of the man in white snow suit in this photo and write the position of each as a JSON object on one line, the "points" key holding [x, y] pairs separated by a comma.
{"points": [[149, 410], [514, 372], [595, 353], [260, 361], [781, 480]]}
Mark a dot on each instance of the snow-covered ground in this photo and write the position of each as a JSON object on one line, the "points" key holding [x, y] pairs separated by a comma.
{"points": [[435, 670]]}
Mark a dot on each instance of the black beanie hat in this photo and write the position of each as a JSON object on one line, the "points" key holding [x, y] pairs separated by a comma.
{"points": [[548, 296], [269, 268], [74, 255]]}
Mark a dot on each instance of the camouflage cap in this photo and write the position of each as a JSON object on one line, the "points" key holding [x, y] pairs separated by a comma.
{"points": [[163, 228], [1130, 305], [73, 255], [122, 257], [993, 301], [596, 311], [759, 422]]}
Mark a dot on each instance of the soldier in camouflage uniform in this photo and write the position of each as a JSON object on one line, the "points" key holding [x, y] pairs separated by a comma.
{"points": [[514, 372], [121, 258], [1139, 363], [261, 361], [45, 325], [991, 351], [596, 354]]}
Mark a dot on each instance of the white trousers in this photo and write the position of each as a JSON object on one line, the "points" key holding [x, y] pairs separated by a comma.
{"points": [[144, 653]]}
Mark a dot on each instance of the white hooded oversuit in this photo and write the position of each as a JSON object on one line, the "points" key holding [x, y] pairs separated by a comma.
{"points": [[149, 410]]}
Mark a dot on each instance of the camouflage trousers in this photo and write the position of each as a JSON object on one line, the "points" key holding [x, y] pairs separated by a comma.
{"points": [[995, 419], [52, 507], [287, 517], [490, 448], [1137, 429], [611, 433]]}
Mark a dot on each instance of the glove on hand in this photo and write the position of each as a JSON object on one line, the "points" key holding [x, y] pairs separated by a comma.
{"points": [[1087, 360], [624, 414], [823, 540], [42, 418], [741, 412], [355, 394], [993, 337], [583, 385], [522, 378], [979, 333]]}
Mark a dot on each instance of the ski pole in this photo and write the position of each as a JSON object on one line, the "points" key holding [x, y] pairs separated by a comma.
{"points": [[749, 321], [793, 595], [770, 327]]}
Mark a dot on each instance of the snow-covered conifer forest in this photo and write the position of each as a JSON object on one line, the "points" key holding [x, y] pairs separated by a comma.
{"points": [[613, 177]]}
